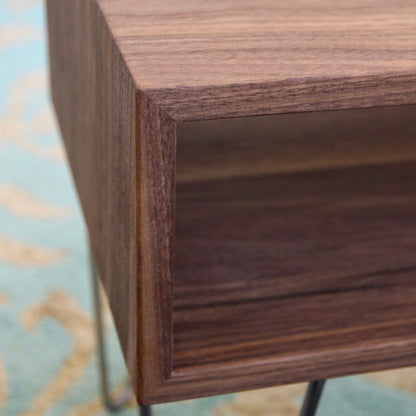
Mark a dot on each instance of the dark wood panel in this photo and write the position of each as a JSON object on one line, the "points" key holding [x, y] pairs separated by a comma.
{"points": [[156, 167], [95, 101], [250, 146], [306, 94], [121, 149], [294, 326], [280, 263], [200, 60]]}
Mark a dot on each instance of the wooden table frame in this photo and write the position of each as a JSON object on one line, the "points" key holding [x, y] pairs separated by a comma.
{"points": [[120, 119]]}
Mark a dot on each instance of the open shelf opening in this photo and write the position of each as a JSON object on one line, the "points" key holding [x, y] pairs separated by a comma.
{"points": [[294, 234]]}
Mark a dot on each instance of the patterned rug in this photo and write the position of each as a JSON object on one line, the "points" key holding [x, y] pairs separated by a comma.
{"points": [[47, 345]]}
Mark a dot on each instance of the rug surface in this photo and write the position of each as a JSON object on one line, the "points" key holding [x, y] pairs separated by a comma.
{"points": [[47, 345]]}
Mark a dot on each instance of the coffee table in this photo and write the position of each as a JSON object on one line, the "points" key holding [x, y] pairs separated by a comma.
{"points": [[247, 172]]}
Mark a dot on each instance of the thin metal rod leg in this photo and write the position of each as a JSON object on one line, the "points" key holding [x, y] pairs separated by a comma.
{"points": [[145, 411], [111, 403], [312, 397]]}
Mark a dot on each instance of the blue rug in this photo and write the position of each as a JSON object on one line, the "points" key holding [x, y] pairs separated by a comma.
{"points": [[47, 345]]}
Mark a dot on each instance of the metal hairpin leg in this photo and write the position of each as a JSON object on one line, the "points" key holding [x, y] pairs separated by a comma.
{"points": [[112, 404], [310, 404], [313, 395]]}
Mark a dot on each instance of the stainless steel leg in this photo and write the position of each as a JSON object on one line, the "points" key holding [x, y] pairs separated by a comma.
{"points": [[312, 398], [113, 404]]}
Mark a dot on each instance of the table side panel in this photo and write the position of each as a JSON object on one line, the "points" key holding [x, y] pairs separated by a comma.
{"points": [[156, 167], [95, 102]]}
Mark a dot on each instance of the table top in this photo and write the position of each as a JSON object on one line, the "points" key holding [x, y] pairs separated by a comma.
{"points": [[214, 48]]}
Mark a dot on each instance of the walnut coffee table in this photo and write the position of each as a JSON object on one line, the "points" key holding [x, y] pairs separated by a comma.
{"points": [[246, 233]]}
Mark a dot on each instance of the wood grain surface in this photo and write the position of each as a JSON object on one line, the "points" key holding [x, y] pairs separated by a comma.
{"points": [[284, 143], [95, 100], [218, 58], [257, 250], [290, 263]]}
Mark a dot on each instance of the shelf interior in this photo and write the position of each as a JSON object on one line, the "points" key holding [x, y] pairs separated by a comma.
{"points": [[317, 252]]}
